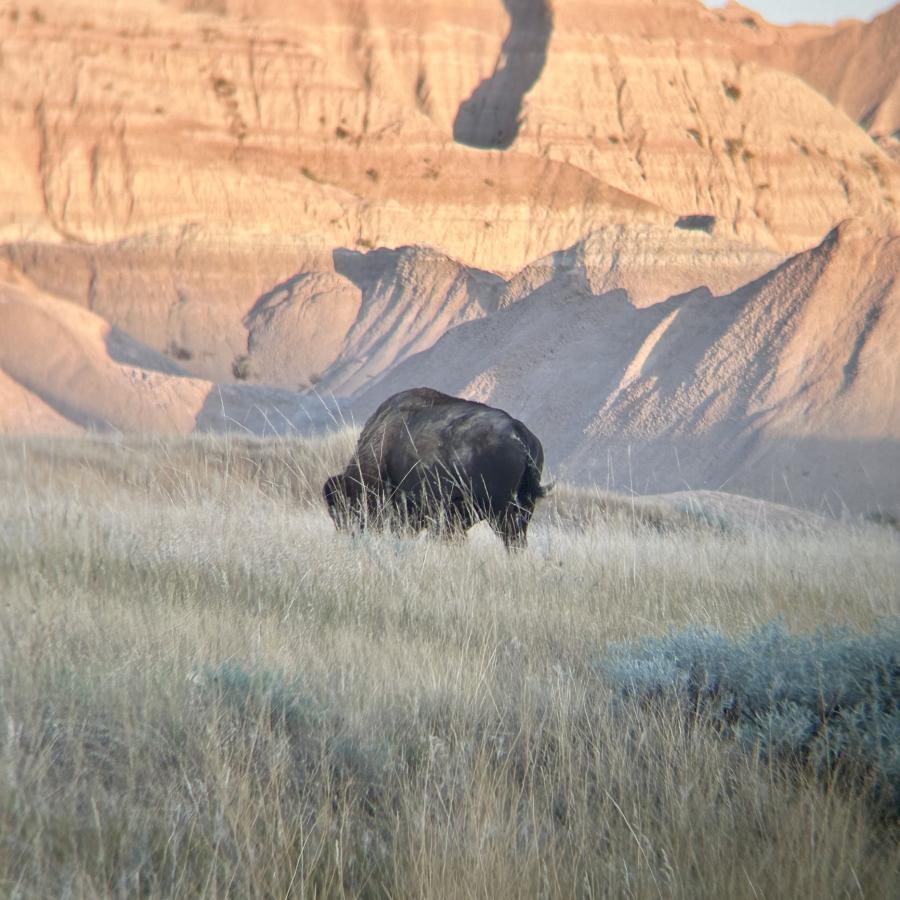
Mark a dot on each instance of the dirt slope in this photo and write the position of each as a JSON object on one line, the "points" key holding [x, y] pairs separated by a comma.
{"points": [[785, 389], [329, 124], [856, 65], [64, 369], [339, 319]]}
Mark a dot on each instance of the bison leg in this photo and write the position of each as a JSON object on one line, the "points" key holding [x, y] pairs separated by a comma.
{"points": [[515, 538], [512, 526]]}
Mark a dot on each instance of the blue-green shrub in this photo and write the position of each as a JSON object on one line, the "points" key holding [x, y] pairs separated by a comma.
{"points": [[316, 733], [254, 693], [830, 699]]}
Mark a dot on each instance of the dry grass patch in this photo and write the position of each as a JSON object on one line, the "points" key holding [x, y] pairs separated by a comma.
{"points": [[206, 691]]}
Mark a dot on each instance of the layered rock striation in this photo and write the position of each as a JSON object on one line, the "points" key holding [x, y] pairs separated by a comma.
{"points": [[606, 216]]}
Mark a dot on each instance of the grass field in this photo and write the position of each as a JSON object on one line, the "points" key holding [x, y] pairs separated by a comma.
{"points": [[206, 691]]}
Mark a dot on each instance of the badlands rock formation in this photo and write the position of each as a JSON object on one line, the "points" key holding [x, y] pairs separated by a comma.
{"points": [[788, 388], [334, 124], [855, 65], [64, 369], [210, 205], [339, 330]]}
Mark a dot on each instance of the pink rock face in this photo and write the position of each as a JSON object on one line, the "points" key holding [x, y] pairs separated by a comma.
{"points": [[274, 197], [346, 125]]}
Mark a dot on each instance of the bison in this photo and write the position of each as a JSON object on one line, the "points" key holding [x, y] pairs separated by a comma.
{"points": [[428, 460]]}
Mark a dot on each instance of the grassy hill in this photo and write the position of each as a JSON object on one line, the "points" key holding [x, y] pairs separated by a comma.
{"points": [[205, 691]]}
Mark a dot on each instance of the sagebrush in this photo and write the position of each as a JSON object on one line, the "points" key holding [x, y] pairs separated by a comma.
{"points": [[830, 699]]}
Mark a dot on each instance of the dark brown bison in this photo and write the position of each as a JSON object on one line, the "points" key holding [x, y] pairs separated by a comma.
{"points": [[428, 460]]}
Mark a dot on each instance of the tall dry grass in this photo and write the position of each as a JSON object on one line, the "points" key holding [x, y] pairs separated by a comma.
{"points": [[205, 691]]}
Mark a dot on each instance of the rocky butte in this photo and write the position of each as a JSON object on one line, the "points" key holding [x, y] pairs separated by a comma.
{"points": [[666, 236]]}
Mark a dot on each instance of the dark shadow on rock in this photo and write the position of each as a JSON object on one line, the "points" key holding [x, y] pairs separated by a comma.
{"points": [[127, 351], [365, 269], [872, 316], [696, 223], [489, 119]]}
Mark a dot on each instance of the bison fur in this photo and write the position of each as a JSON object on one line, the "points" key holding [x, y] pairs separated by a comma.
{"points": [[428, 460]]}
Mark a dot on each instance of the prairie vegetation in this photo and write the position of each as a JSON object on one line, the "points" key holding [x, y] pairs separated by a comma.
{"points": [[206, 691]]}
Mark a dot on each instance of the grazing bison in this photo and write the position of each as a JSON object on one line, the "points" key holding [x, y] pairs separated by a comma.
{"points": [[425, 459]]}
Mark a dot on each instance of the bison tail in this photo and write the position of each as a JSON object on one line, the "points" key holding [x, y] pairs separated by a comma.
{"points": [[530, 488]]}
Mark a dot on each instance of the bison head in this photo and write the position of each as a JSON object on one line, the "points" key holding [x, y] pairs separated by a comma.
{"points": [[345, 499]]}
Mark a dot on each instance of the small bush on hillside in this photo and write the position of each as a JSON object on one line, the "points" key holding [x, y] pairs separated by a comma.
{"points": [[252, 706], [255, 695], [830, 699], [240, 367], [884, 519]]}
